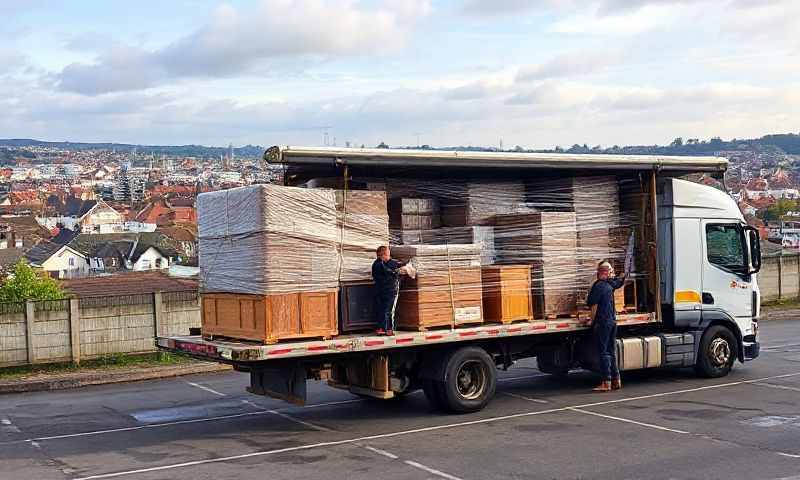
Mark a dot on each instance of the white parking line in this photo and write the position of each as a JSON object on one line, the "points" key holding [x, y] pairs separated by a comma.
{"points": [[301, 422], [430, 470], [7, 426], [381, 452], [619, 419], [774, 347], [790, 455], [780, 387], [527, 399], [426, 429], [510, 379], [207, 389]]}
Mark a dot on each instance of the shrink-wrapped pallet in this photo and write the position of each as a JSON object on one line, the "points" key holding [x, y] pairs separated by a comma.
{"points": [[483, 236], [414, 213], [548, 242], [266, 239]]}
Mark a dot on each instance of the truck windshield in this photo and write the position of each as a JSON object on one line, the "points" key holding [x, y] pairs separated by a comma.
{"points": [[725, 246]]}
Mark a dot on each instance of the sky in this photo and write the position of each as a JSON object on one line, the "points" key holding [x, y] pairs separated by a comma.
{"points": [[534, 73]]}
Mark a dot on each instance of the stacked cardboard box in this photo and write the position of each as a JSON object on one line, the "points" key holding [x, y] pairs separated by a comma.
{"points": [[414, 214], [477, 203], [483, 236], [548, 242], [363, 224], [447, 288], [267, 239]]}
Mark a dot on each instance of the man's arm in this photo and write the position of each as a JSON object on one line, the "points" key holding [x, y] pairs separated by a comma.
{"points": [[618, 282], [592, 299]]}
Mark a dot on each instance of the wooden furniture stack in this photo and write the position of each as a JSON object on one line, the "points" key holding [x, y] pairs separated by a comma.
{"points": [[268, 263], [447, 289], [548, 242], [506, 293]]}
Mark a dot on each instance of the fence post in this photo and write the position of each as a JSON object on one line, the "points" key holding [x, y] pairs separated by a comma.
{"points": [[30, 318], [157, 313], [780, 275], [75, 330]]}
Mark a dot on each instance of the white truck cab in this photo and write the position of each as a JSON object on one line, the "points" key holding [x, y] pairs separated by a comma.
{"points": [[708, 259]]}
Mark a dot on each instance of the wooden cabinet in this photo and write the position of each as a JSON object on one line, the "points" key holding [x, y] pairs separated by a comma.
{"points": [[506, 293], [270, 318], [357, 307]]}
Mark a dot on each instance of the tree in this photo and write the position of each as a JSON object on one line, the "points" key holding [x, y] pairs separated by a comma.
{"points": [[26, 284], [382, 145], [780, 209], [678, 142]]}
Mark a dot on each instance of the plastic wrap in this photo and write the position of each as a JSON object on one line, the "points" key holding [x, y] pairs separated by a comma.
{"points": [[269, 239]]}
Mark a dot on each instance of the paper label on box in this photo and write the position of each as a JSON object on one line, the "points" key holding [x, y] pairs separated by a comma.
{"points": [[468, 314]]}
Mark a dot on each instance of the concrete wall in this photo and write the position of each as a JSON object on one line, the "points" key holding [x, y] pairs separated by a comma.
{"points": [[779, 277], [90, 327]]}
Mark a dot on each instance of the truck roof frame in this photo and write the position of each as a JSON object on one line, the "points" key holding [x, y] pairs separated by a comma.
{"points": [[297, 155]]}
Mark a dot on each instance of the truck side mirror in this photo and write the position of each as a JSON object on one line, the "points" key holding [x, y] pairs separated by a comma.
{"points": [[755, 249]]}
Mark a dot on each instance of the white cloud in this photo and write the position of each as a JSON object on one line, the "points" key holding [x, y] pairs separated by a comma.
{"points": [[235, 42], [569, 65]]}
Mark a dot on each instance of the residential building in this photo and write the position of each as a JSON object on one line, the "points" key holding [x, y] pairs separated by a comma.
{"points": [[59, 261]]}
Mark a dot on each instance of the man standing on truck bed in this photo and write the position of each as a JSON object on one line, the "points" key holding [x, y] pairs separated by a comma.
{"points": [[604, 325], [386, 275]]}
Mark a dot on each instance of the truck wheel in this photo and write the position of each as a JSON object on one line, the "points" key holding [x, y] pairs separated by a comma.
{"points": [[717, 352], [470, 380]]}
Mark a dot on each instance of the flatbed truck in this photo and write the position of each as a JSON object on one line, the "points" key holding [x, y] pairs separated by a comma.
{"points": [[704, 311]]}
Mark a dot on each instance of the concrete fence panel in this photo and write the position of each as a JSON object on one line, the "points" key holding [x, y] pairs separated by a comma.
{"points": [[91, 327]]}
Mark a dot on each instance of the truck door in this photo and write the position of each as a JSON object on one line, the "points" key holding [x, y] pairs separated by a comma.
{"points": [[726, 279]]}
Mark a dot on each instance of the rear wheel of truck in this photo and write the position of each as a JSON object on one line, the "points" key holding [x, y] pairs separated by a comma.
{"points": [[470, 381], [717, 352]]}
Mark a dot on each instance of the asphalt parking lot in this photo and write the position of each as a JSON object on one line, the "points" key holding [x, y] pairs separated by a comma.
{"points": [[664, 424]]}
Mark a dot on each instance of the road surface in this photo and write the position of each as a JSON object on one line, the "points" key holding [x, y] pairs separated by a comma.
{"points": [[663, 425]]}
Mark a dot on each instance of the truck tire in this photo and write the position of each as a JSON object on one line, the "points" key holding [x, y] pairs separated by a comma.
{"points": [[469, 383], [717, 352]]}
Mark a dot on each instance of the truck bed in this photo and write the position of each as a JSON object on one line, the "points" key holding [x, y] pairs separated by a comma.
{"points": [[232, 351]]}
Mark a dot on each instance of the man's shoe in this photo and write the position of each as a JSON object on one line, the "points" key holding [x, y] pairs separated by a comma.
{"points": [[390, 333], [380, 331], [605, 386], [616, 384]]}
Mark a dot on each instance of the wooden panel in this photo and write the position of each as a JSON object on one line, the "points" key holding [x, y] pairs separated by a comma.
{"points": [[284, 315], [357, 307], [318, 313]]}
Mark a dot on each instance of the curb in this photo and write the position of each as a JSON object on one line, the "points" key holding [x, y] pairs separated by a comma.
{"points": [[81, 380]]}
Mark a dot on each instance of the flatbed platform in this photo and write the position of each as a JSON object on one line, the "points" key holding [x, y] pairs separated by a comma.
{"points": [[241, 351]]}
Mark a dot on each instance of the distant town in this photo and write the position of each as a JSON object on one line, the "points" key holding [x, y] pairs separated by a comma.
{"points": [[82, 210]]}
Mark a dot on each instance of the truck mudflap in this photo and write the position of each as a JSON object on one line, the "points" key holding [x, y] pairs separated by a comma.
{"points": [[752, 347], [284, 382]]}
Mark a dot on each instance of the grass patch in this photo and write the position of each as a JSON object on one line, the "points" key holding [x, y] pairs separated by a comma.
{"points": [[113, 361], [793, 302]]}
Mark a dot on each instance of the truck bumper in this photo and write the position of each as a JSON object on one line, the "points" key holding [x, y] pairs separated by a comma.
{"points": [[751, 350]]}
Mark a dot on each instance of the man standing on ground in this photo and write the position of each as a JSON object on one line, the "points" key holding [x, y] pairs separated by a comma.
{"points": [[604, 324], [386, 275]]}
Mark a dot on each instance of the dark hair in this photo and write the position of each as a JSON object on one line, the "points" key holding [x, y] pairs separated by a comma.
{"points": [[379, 251]]}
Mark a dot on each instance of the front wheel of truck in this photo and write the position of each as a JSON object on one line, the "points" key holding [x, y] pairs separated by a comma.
{"points": [[717, 352]]}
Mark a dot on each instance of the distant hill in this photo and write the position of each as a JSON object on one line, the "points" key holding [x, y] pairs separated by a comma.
{"points": [[788, 143], [175, 150]]}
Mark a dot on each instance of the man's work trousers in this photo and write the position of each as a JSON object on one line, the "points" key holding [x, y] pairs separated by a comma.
{"points": [[386, 302], [605, 334]]}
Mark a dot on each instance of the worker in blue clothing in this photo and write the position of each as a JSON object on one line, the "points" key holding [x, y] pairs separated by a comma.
{"points": [[604, 324], [386, 274]]}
